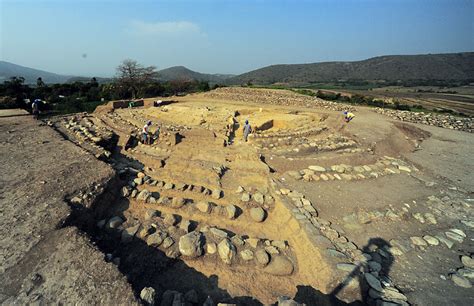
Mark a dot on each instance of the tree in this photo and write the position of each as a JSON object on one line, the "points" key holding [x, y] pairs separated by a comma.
{"points": [[134, 77]]}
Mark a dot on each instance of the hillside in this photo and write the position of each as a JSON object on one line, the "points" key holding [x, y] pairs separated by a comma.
{"points": [[8, 70], [454, 66], [183, 73]]}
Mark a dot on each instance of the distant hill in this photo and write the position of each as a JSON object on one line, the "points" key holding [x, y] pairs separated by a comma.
{"points": [[183, 73], [453, 66], [8, 70]]}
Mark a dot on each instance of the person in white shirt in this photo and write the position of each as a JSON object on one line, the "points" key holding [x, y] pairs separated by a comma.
{"points": [[146, 139]]}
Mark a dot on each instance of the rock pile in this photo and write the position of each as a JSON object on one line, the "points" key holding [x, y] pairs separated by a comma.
{"points": [[385, 166], [444, 121]]}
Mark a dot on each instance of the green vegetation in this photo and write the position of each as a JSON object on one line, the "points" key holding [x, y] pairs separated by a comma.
{"points": [[133, 81]]}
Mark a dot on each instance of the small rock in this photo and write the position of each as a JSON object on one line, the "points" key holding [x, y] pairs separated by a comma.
{"points": [[226, 251], [177, 202], [168, 186], [253, 242], [458, 232], [317, 168], [245, 197], [155, 239], [272, 250], [246, 255], [185, 225], [167, 242], [468, 223], [461, 281], [446, 241], [348, 267], [148, 295], [467, 261], [231, 211], [466, 272], [129, 233], [191, 244], [374, 266], [204, 207], [216, 194], [454, 236], [170, 219], [418, 241], [240, 189], [257, 214], [285, 191], [373, 282], [143, 195], [404, 168], [258, 197], [281, 244], [125, 191], [114, 222], [211, 248], [431, 240], [262, 257], [430, 218], [237, 240], [218, 232]]}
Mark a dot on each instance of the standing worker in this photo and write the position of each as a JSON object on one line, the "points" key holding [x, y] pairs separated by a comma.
{"points": [[146, 139], [247, 130], [35, 108]]}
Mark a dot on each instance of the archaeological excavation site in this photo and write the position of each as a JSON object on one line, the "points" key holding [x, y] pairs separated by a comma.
{"points": [[309, 210]]}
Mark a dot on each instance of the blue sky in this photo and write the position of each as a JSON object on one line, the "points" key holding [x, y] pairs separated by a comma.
{"points": [[91, 37]]}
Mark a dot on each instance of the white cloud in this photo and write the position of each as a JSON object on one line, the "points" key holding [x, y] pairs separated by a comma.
{"points": [[164, 28]]}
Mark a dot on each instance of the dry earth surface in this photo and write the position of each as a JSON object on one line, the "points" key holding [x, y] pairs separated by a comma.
{"points": [[310, 210]]}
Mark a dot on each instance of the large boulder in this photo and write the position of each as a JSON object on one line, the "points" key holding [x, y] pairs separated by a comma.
{"points": [[190, 245]]}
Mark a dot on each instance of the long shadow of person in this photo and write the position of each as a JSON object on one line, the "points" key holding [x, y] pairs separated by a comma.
{"points": [[371, 273]]}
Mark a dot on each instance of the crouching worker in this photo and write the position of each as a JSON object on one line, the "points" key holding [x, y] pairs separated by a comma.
{"points": [[247, 130], [348, 116], [146, 139]]}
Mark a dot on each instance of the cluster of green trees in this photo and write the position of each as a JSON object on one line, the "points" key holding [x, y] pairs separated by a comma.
{"points": [[362, 100], [132, 81]]}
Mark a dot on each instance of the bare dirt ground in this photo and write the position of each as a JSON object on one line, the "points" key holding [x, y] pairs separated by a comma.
{"points": [[375, 212], [41, 260]]}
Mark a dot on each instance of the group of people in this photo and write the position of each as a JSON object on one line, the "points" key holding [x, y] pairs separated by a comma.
{"points": [[147, 136]]}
